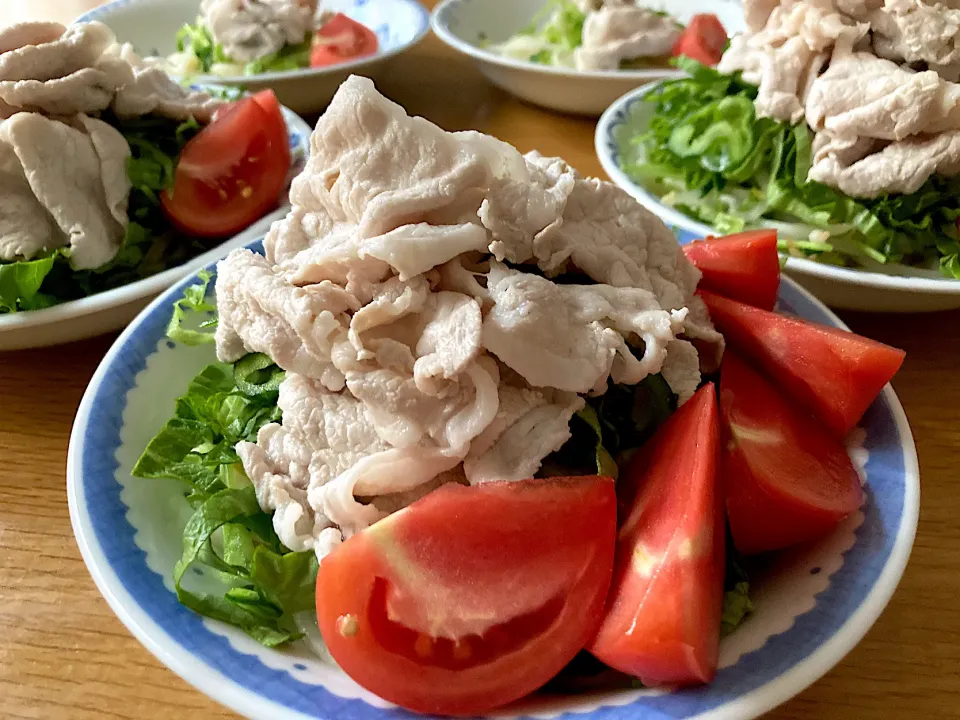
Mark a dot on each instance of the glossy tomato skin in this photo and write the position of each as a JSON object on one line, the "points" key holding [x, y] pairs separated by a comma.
{"points": [[744, 267], [340, 39], [232, 172], [472, 597], [833, 373], [787, 480], [662, 622], [703, 39]]}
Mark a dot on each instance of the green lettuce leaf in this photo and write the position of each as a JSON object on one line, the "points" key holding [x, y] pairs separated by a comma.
{"points": [[228, 534], [737, 605], [289, 57], [194, 301], [609, 427], [197, 39], [20, 283]]}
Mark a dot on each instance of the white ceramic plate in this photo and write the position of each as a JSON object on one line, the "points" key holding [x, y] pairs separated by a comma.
{"points": [[899, 290], [111, 310], [462, 23], [151, 27], [812, 606]]}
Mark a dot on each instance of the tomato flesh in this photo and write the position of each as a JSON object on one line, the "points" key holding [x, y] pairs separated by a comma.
{"points": [[745, 266], [833, 373], [702, 40], [232, 172], [662, 622], [471, 597], [786, 479], [341, 39]]}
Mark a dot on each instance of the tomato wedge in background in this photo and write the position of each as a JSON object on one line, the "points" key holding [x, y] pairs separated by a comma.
{"points": [[341, 39], [662, 622], [786, 479], [471, 597], [232, 172], [832, 372], [744, 267], [703, 39]]}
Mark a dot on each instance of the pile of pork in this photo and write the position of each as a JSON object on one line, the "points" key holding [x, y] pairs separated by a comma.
{"points": [[251, 29], [620, 30], [408, 296], [63, 177], [874, 79]]}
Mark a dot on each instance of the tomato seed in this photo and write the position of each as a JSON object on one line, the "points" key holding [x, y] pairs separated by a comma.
{"points": [[347, 625]]}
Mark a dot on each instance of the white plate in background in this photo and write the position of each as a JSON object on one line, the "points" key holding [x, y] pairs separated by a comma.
{"points": [[151, 27], [462, 24]]}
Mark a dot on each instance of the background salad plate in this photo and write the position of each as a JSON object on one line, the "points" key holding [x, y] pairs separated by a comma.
{"points": [[463, 24], [151, 27], [111, 310], [811, 607], [900, 289]]}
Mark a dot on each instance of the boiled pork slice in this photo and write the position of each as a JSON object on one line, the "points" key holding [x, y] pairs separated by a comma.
{"points": [[410, 296], [251, 29]]}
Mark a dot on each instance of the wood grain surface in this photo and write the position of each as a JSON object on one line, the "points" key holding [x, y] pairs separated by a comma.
{"points": [[63, 654]]}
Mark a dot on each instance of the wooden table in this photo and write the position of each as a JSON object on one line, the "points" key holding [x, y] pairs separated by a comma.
{"points": [[63, 654]]}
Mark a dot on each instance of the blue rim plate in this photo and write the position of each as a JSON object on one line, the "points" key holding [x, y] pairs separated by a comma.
{"points": [[800, 645]]}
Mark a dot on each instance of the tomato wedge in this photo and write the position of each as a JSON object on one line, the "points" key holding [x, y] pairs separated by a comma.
{"points": [[786, 479], [471, 597], [662, 621], [745, 266], [341, 39], [703, 40], [233, 171], [832, 372]]}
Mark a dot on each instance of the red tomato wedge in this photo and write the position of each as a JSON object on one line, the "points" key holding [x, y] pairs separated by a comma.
{"points": [[662, 622], [745, 266], [472, 597], [233, 171], [787, 480], [702, 40], [342, 39], [832, 372]]}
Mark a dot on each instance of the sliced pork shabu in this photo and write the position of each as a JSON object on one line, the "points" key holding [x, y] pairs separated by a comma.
{"points": [[876, 82], [410, 296]]}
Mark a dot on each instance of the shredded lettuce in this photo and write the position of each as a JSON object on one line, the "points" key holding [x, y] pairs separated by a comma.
{"points": [[737, 605], [198, 53], [197, 40], [149, 246], [708, 154], [228, 534], [289, 57]]}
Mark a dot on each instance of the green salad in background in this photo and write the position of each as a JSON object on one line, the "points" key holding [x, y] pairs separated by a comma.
{"points": [[150, 245], [707, 154]]}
